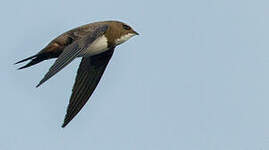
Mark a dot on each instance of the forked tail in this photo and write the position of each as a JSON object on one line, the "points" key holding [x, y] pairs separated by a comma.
{"points": [[34, 60]]}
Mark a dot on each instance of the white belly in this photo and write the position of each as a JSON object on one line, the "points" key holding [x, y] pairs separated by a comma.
{"points": [[97, 47]]}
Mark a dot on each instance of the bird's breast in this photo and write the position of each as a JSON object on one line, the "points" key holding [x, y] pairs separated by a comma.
{"points": [[98, 46]]}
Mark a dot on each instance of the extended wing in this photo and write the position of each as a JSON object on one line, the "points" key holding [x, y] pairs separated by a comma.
{"points": [[72, 51], [88, 76]]}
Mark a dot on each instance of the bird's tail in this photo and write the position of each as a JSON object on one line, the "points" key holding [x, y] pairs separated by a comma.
{"points": [[34, 60]]}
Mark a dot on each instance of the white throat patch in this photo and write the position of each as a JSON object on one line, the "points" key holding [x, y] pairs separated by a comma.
{"points": [[124, 38]]}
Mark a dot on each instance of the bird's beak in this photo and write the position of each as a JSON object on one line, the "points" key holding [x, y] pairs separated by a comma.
{"points": [[136, 33]]}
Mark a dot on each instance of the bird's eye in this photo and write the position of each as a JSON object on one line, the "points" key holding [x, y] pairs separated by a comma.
{"points": [[126, 27]]}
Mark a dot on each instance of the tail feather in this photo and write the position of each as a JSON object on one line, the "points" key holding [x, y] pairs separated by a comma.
{"points": [[31, 63], [26, 59], [34, 60], [46, 53]]}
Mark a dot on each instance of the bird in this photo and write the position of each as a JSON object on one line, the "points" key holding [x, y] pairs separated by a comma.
{"points": [[95, 43]]}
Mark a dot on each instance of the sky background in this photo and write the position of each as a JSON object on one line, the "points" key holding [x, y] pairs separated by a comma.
{"points": [[196, 78]]}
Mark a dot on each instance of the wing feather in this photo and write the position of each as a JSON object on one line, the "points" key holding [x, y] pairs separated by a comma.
{"points": [[88, 76], [72, 51]]}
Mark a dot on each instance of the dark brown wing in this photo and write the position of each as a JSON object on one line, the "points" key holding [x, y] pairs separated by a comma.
{"points": [[57, 45], [89, 74], [72, 51]]}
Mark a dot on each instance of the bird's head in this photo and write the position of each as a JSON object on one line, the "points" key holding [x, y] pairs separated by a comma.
{"points": [[119, 32]]}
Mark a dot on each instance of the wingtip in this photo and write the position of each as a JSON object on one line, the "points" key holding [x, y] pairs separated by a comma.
{"points": [[66, 121], [64, 124], [40, 82], [37, 85]]}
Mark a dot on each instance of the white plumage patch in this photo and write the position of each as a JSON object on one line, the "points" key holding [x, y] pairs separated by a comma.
{"points": [[124, 38], [97, 47], [100, 45]]}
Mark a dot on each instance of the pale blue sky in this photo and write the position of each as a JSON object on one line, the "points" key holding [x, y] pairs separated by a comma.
{"points": [[197, 78]]}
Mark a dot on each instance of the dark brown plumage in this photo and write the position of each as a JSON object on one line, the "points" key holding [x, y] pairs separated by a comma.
{"points": [[89, 74], [94, 42]]}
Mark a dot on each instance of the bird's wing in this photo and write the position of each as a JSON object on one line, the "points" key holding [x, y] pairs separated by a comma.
{"points": [[89, 74], [72, 51]]}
